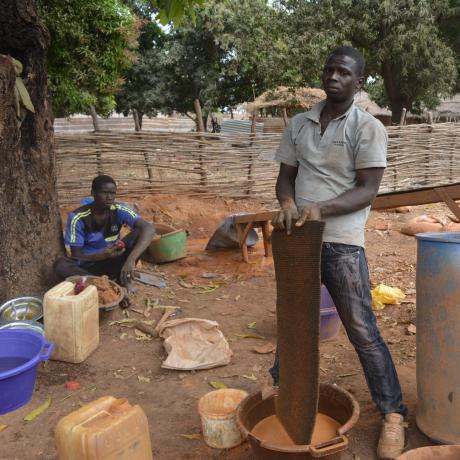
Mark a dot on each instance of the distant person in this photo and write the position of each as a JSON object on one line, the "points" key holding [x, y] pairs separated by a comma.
{"points": [[93, 234], [215, 126], [332, 160]]}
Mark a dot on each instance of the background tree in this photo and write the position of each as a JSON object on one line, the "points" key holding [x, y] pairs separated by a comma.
{"points": [[91, 44], [138, 94], [216, 60], [401, 39], [30, 226]]}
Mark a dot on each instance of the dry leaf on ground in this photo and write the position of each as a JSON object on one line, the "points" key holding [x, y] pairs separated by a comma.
{"points": [[217, 385], [39, 410], [265, 348]]}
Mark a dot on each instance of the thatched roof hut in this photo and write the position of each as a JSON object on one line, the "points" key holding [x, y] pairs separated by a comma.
{"points": [[448, 110], [288, 97], [304, 98]]}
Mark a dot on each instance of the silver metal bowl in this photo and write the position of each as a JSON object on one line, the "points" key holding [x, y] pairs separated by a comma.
{"points": [[21, 309], [33, 326]]}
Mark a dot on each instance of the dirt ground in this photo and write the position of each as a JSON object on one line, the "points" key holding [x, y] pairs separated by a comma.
{"points": [[125, 365]]}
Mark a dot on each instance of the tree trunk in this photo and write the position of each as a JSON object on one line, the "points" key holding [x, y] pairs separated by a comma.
{"points": [[92, 111], [199, 116], [205, 122], [391, 79], [141, 117], [137, 125], [30, 226], [200, 129]]}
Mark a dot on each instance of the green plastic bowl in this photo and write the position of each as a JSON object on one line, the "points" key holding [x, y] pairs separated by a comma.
{"points": [[172, 245]]}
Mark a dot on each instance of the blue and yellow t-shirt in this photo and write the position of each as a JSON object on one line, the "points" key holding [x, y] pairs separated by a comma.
{"points": [[81, 229]]}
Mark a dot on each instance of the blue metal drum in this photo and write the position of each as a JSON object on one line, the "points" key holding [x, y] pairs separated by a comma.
{"points": [[438, 336]]}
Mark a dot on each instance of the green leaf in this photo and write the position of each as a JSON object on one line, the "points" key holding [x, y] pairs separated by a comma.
{"points": [[24, 95], [39, 410], [217, 385]]}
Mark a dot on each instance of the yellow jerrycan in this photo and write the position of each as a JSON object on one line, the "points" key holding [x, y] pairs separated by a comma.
{"points": [[105, 429]]}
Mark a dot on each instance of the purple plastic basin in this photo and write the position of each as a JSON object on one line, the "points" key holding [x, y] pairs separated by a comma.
{"points": [[17, 382], [330, 320]]}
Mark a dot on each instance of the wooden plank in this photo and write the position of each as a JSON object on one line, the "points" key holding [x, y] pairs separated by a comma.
{"points": [[414, 197], [445, 196], [256, 217]]}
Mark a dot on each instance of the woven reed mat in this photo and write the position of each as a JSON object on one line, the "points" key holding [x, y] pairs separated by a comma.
{"points": [[297, 259]]}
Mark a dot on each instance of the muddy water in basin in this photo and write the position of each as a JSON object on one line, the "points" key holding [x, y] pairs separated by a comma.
{"points": [[272, 431]]}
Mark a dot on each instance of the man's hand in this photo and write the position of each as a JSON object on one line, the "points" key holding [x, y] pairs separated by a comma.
{"points": [[127, 272], [112, 251], [309, 212], [285, 216]]}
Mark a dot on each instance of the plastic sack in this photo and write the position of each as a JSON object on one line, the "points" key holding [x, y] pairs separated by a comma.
{"points": [[226, 236], [383, 295], [194, 343]]}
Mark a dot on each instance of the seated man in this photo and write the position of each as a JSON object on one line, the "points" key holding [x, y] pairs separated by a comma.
{"points": [[93, 234]]}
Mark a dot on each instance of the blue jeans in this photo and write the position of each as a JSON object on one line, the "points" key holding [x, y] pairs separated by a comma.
{"points": [[345, 274]]}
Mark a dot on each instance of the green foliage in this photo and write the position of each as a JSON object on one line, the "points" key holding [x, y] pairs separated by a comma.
{"points": [[401, 40], [91, 44], [220, 57], [175, 10]]}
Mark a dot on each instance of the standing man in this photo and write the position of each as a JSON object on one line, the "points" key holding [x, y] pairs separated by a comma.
{"points": [[93, 234], [332, 161]]}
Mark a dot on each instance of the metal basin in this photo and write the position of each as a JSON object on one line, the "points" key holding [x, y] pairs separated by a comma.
{"points": [[21, 309], [33, 326]]}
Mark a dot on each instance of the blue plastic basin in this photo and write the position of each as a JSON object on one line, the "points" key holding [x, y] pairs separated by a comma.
{"points": [[330, 320], [17, 382]]}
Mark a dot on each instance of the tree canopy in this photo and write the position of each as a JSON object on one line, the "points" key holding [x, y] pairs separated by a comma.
{"points": [[402, 40], [91, 43], [218, 58]]}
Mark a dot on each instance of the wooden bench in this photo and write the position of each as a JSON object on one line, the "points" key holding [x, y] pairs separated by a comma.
{"points": [[246, 222], [448, 194]]}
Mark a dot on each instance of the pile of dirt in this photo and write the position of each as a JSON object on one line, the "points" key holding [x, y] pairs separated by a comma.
{"points": [[200, 216], [108, 292]]}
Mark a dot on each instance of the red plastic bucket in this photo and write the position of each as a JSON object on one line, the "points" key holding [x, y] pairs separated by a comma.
{"points": [[20, 353]]}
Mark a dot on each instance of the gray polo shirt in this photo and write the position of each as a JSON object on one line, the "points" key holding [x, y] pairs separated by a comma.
{"points": [[327, 164]]}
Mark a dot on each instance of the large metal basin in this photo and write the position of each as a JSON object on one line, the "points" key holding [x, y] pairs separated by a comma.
{"points": [[21, 309]]}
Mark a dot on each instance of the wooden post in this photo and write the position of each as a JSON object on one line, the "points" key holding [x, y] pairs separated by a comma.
{"points": [[285, 116], [200, 127], [100, 169], [402, 120], [251, 159], [148, 166]]}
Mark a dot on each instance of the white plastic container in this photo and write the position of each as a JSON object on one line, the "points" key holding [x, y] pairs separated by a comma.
{"points": [[218, 417], [71, 322]]}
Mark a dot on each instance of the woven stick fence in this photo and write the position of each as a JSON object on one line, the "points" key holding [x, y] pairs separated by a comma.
{"points": [[236, 166]]}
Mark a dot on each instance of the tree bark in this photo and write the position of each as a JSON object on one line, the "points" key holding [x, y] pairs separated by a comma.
{"points": [[92, 111], [199, 116], [391, 79], [30, 226], [137, 125]]}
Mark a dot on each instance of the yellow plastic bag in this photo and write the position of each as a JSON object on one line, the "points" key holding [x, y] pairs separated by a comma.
{"points": [[383, 295]]}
